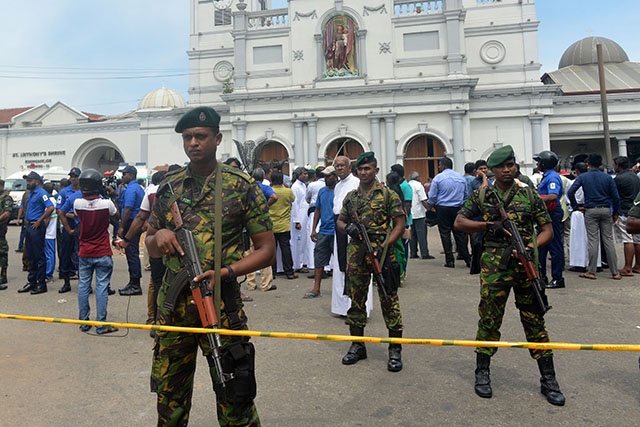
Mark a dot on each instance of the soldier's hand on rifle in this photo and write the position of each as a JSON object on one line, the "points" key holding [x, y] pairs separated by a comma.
{"points": [[352, 230], [167, 242], [496, 229]]}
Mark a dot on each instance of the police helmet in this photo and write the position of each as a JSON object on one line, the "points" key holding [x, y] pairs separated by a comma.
{"points": [[91, 181], [547, 159]]}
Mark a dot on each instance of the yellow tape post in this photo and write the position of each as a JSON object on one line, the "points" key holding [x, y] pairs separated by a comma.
{"points": [[325, 337]]}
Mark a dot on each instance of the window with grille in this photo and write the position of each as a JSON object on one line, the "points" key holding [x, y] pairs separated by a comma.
{"points": [[222, 17]]}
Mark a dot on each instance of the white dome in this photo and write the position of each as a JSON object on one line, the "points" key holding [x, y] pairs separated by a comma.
{"points": [[162, 99]]}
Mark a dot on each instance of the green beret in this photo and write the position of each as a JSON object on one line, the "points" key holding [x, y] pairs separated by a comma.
{"points": [[500, 156], [198, 117], [367, 157]]}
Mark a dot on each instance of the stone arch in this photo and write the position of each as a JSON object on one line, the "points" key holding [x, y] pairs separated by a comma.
{"points": [[274, 149], [98, 153], [353, 140]]}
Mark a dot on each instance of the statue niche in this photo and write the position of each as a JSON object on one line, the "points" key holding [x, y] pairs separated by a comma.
{"points": [[339, 43]]}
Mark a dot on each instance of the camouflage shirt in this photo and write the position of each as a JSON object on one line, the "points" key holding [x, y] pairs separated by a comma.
{"points": [[6, 203], [373, 210], [243, 206], [525, 208]]}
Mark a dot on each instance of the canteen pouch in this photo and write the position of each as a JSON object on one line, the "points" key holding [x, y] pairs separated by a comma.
{"points": [[238, 359]]}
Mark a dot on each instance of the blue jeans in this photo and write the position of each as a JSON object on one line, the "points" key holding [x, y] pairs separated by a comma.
{"points": [[103, 266], [50, 255]]}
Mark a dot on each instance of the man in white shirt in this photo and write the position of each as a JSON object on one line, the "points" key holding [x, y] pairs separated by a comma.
{"points": [[299, 216]]}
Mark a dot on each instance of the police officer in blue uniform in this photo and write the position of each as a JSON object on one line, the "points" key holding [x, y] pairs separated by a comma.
{"points": [[39, 209]]}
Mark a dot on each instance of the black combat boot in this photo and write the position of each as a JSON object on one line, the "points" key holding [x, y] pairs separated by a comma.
{"points": [[3, 276], [395, 353], [483, 380], [357, 351], [67, 284], [548, 384], [132, 288]]}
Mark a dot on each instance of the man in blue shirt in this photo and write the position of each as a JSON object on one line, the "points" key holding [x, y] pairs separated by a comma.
{"points": [[601, 210], [39, 208], [550, 190], [324, 236], [131, 198], [68, 242], [447, 193]]}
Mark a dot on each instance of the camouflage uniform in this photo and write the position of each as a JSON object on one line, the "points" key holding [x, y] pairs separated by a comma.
{"points": [[526, 209], [6, 205], [175, 354], [376, 211]]}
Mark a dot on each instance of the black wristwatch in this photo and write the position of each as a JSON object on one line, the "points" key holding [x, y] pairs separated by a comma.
{"points": [[126, 240], [232, 274]]}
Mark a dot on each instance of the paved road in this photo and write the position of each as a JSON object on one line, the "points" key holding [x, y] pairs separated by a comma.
{"points": [[53, 375]]}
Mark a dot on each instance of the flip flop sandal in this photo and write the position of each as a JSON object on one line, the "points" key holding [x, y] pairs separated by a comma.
{"points": [[311, 295], [107, 330]]}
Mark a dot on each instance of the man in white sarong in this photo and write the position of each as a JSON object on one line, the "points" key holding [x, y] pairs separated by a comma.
{"points": [[341, 303], [578, 245], [299, 215]]}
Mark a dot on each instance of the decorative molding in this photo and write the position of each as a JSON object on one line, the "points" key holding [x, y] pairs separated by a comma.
{"points": [[222, 71], [493, 52], [382, 9], [312, 15], [298, 55], [385, 47]]}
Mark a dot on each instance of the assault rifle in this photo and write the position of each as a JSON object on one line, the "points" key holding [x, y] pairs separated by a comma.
{"points": [[526, 259], [202, 296], [371, 255]]}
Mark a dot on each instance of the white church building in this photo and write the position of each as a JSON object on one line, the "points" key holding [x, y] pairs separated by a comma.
{"points": [[410, 80]]}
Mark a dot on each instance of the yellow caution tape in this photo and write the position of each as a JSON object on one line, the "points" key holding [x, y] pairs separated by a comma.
{"points": [[324, 337]]}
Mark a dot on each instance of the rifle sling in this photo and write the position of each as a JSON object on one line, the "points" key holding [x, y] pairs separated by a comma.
{"points": [[217, 239]]}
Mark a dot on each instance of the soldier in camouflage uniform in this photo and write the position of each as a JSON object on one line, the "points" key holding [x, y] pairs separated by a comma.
{"points": [[6, 204], [526, 209], [381, 212], [243, 205]]}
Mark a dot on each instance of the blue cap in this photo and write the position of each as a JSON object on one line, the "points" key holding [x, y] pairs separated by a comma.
{"points": [[33, 175], [75, 172], [129, 169]]}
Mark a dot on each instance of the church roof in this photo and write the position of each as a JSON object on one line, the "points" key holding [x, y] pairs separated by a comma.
{"points": [[578, 68], [6, 114], [583, 52]]}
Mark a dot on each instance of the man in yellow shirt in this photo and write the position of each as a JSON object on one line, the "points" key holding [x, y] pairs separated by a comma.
{"points": [[280, 213]]}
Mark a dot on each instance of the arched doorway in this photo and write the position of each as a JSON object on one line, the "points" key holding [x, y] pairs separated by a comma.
{"points": [[422, 154], [343, 147], [99, 154], [271, 152]]}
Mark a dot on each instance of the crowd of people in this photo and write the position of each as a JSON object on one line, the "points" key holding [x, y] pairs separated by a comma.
{"points": [[337, 222]]}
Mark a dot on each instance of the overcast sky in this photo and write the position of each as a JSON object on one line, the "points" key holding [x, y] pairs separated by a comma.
{"points": [[103, 57]]}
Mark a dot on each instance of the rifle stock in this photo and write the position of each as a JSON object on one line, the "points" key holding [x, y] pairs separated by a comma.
{"points": [[203, 298], [526, 260]]}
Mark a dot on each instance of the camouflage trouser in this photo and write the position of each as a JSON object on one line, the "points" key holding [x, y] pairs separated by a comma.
{"points": [[358, 278], [495, 286], [4, 251], [174, 364]]}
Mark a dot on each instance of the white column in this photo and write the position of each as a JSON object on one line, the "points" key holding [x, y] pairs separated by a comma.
{"points": [[390, 142], [537, 142], [240, 46], [374, 125], [320, 59], [622, 148], [240, 130], [362, 49], [458, 139], [298, 141], [312, 141]]}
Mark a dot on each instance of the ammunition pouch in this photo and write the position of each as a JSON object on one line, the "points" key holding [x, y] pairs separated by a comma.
{"points": [[238, 360], [391, 275]]}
